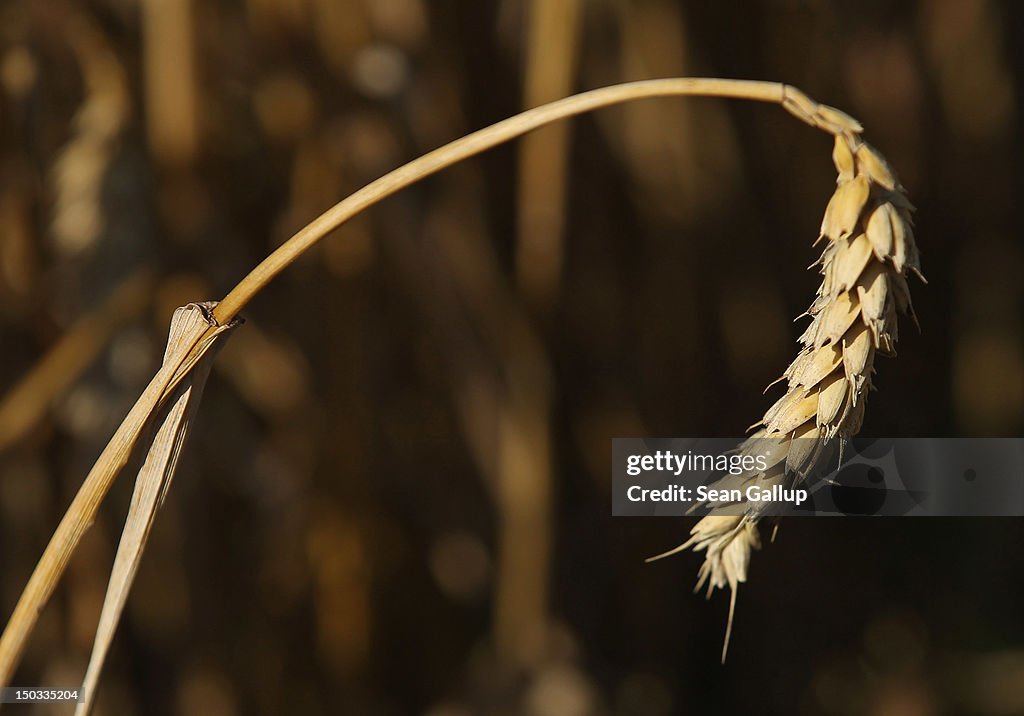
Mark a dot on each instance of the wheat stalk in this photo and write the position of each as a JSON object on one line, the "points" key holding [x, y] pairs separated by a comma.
{"points": [[152, 482], [728, 544], [868, 253]]}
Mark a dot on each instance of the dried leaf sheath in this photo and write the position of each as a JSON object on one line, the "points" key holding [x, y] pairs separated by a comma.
{"points": [[154, 478], [870, 248]]}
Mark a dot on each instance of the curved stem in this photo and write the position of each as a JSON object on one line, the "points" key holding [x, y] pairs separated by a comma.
{"points": [[82, 511], [475, 143]]}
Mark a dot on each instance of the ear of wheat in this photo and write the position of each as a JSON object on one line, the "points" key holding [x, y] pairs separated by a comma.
{"points": [[868, 253], [870, 248]]}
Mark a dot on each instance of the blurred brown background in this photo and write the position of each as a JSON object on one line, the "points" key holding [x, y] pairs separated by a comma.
{"points": [[397, 500]]}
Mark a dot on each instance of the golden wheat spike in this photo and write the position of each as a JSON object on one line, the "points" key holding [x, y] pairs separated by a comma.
{"points": [[870, 250]]}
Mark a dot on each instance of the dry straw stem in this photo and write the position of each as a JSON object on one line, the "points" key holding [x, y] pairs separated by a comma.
{"points": [[868, 253], [153, 482], [83, 508], [82, 511]]}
